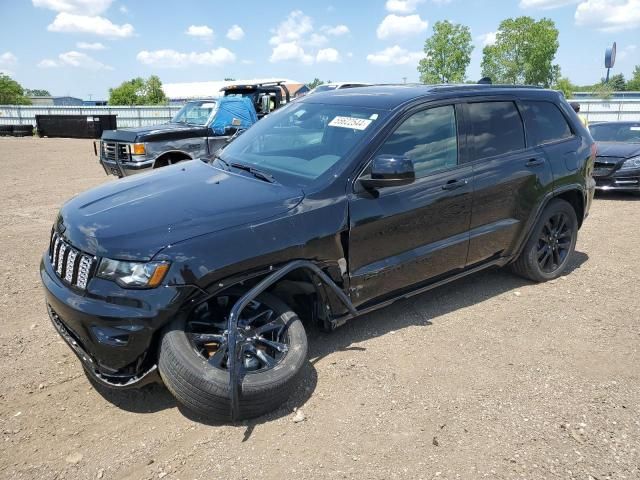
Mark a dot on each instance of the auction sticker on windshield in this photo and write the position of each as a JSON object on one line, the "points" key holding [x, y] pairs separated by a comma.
{"points": [[350, 122]]}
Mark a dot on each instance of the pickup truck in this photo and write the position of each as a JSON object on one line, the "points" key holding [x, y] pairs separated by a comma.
{"points": [[200, 128]]}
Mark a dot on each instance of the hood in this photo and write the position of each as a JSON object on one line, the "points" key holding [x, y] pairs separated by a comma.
{"points": [[155, 132], [135, 217], [618, 149]]}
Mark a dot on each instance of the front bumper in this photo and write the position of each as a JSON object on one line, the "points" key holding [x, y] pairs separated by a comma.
{"points": [[121, 166], [112, 331], [620, 182]]}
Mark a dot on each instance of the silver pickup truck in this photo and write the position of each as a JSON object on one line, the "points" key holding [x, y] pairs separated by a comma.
{"points": [[200, 128]]}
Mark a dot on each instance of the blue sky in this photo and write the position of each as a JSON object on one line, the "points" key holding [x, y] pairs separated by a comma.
{"points": [[83, 47]]}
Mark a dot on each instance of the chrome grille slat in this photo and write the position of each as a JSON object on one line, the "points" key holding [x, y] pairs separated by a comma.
{"points": [[111, 149], [72, 266]]}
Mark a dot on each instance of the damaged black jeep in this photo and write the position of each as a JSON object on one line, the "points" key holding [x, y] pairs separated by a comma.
{"points": [[207, 271]]}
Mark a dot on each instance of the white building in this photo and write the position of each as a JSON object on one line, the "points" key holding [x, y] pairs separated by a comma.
{"points": [[179, 92]]}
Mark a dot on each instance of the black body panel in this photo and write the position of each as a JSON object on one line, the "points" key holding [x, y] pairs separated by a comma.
{"points": [[218, 227]]}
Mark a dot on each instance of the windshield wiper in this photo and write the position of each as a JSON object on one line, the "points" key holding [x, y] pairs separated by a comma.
{"points": [[253, 171], [223, 162]]}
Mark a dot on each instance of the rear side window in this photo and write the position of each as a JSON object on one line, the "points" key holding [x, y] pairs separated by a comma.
{"points": [[545, 122], [495, 128]]}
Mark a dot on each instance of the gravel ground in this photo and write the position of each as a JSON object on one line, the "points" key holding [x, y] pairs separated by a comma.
{"points": [[490, 377]]}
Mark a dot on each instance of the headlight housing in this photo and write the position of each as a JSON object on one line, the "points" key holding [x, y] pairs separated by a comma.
{"points": [[631, 163], [133, 274]]}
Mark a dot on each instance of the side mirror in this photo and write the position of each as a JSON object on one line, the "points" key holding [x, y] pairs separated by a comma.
{"points": [[389, 171], [230, 130]]}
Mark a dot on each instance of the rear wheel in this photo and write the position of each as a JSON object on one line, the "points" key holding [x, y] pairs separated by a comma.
{"points": [[193, 357], [551, 244]]}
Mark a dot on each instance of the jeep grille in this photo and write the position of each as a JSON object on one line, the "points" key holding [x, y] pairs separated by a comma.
{"points": [[72, 266]]}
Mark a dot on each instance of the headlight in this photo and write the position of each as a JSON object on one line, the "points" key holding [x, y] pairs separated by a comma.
{"points": [[138, 149], [631, 163], [133, 274]]}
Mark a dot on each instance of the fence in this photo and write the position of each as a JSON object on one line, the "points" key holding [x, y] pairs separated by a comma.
{"points": [[126, 116], [594, 110]]}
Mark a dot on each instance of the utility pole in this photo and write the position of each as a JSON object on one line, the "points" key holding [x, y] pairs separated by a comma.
{"points": [[404, 79]]}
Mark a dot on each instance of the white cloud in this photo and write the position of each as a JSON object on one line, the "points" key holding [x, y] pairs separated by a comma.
{"points": [[90, 46], [123, 9], [8, 58], [172, 59], [336, 31], [293, 28], [626, 51], [235, 33], [47, 63], [290, 51], [546, 4], [402, 6], [315, 40], [72, 23], [400, 26], [296, 33], [81, 7], [395, 55], [330, 55], [74, 59], [200, 31], [608, 15], [488, 38]]}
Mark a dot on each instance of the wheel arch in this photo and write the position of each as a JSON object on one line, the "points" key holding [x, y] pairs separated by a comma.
{"points": [[166, 158]]}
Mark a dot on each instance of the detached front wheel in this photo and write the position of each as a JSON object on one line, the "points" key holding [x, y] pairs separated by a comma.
{"points": [[193, 357]]}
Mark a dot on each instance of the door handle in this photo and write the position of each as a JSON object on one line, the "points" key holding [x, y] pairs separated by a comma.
{"points": [[453, 184], [534, 162]]}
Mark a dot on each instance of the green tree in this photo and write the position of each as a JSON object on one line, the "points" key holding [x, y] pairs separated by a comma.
{"points": [[448, 54], [618, 83], [634, 83], [11, 92], [154, 95], [36, 92], [602, 90], [138, 91], [523, 53], [316, 82], [565, 86]]}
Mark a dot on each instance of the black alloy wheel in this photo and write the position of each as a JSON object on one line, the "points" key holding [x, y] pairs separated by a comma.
{"points": [[551, 242], [193, 358], [554, 243]]}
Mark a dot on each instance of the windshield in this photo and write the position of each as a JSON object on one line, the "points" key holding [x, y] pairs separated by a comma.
{"points": [[299, 143], [616, 132], [196, 113]]}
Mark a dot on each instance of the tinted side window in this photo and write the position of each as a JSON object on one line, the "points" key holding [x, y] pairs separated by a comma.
{"points": [[496, 128], [429, 138], [545, 121]]}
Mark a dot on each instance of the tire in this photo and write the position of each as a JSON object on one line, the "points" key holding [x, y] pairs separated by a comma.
{"points": [[204, 389], [538, 260]]}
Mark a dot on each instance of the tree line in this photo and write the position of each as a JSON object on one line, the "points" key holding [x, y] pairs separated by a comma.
{"points": [[523, 53]]}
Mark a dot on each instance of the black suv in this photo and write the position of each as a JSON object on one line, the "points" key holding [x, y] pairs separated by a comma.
{"points": [[330, 207]]}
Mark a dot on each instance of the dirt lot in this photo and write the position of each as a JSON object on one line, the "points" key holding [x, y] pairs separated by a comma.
{"points": [[490, 377]]}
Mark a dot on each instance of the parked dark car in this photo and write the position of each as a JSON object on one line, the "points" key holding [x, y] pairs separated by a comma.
{"points": [[200, 128], [327, 209], [618, 162]]}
